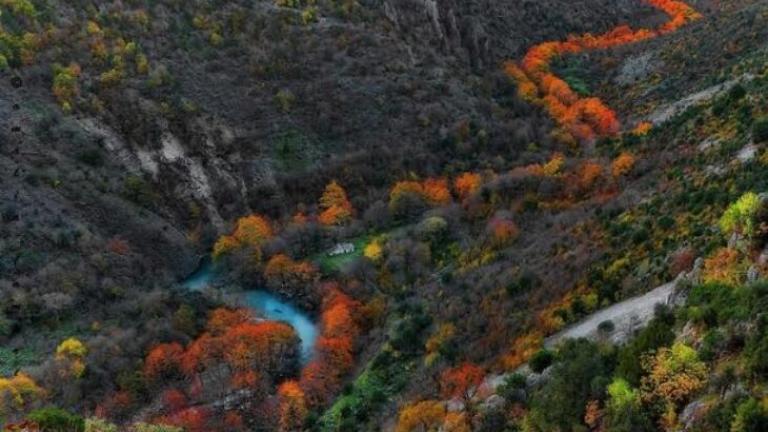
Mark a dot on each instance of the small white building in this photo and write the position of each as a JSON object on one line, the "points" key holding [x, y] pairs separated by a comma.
{"points": [[342, 249]]}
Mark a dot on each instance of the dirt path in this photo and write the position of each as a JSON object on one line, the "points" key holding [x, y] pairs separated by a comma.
{"points": [[666, 112], [626, 317]]}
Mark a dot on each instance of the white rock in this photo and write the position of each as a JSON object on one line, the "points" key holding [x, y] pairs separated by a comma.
{"points": [[747, 154]]}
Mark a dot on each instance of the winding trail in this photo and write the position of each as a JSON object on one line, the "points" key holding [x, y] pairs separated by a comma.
{"points": [[585, 118]]}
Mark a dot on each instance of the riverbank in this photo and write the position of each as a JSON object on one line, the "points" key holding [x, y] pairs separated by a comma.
{"points": [[265, 304]]}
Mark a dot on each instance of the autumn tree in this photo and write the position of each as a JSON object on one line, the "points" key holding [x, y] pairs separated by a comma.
{"points": [[461, 382], [174, 399], [293, 408], [334, 349], [588, 174], [221, 319], [550, 168], [192, 419], [282, 273], [502, 231], [522, 349], [250, 232], [374, 250], [421, 416], [467, 184], [336, 208], [17, 392], [233, 421], [673, 376], [436, 191], [642, 129], [622, 165], [408, 199], [71, 355], [163, 360], [233, 339], [725, 265], [265, 345]]}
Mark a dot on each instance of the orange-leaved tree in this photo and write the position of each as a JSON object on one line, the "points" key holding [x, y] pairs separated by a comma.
{"points": [[421, 416], [250, 232], [163, 360], [466, 184], [283, 272], [622, 165], [336, 208], [293, 407], [461, 381], [322, 377]]}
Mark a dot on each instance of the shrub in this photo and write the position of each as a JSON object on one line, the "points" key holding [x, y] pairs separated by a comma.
{"points": [[138, 190], [541, 360], [309, 15], [522, 284], [54, 419], [606, 327], [760, 130], [285, 100], [95, 424], [513, 387]]}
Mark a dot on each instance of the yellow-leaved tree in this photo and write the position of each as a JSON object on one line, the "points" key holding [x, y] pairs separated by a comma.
{"points": [[18, 391], [71, 355], [250, 232]]}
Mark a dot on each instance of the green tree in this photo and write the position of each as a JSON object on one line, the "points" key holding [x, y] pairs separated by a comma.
{"points": [[751, 416], [625, 413], [541, 360], [580, 374], [740, 216]]}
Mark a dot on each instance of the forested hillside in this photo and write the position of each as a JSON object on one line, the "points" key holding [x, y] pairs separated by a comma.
{"points": [[435, 188]]}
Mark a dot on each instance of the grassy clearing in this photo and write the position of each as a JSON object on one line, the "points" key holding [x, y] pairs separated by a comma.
{"points": [[330, 264]]}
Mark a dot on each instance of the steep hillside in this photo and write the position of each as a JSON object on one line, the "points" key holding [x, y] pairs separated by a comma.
{"points": [[487, 173]]}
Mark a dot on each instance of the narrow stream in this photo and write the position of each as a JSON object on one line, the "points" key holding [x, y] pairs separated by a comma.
{"points": [[265, 304]]}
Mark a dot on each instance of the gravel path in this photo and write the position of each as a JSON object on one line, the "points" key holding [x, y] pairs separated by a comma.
{"points": [[626, 316], [666, 112]]}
